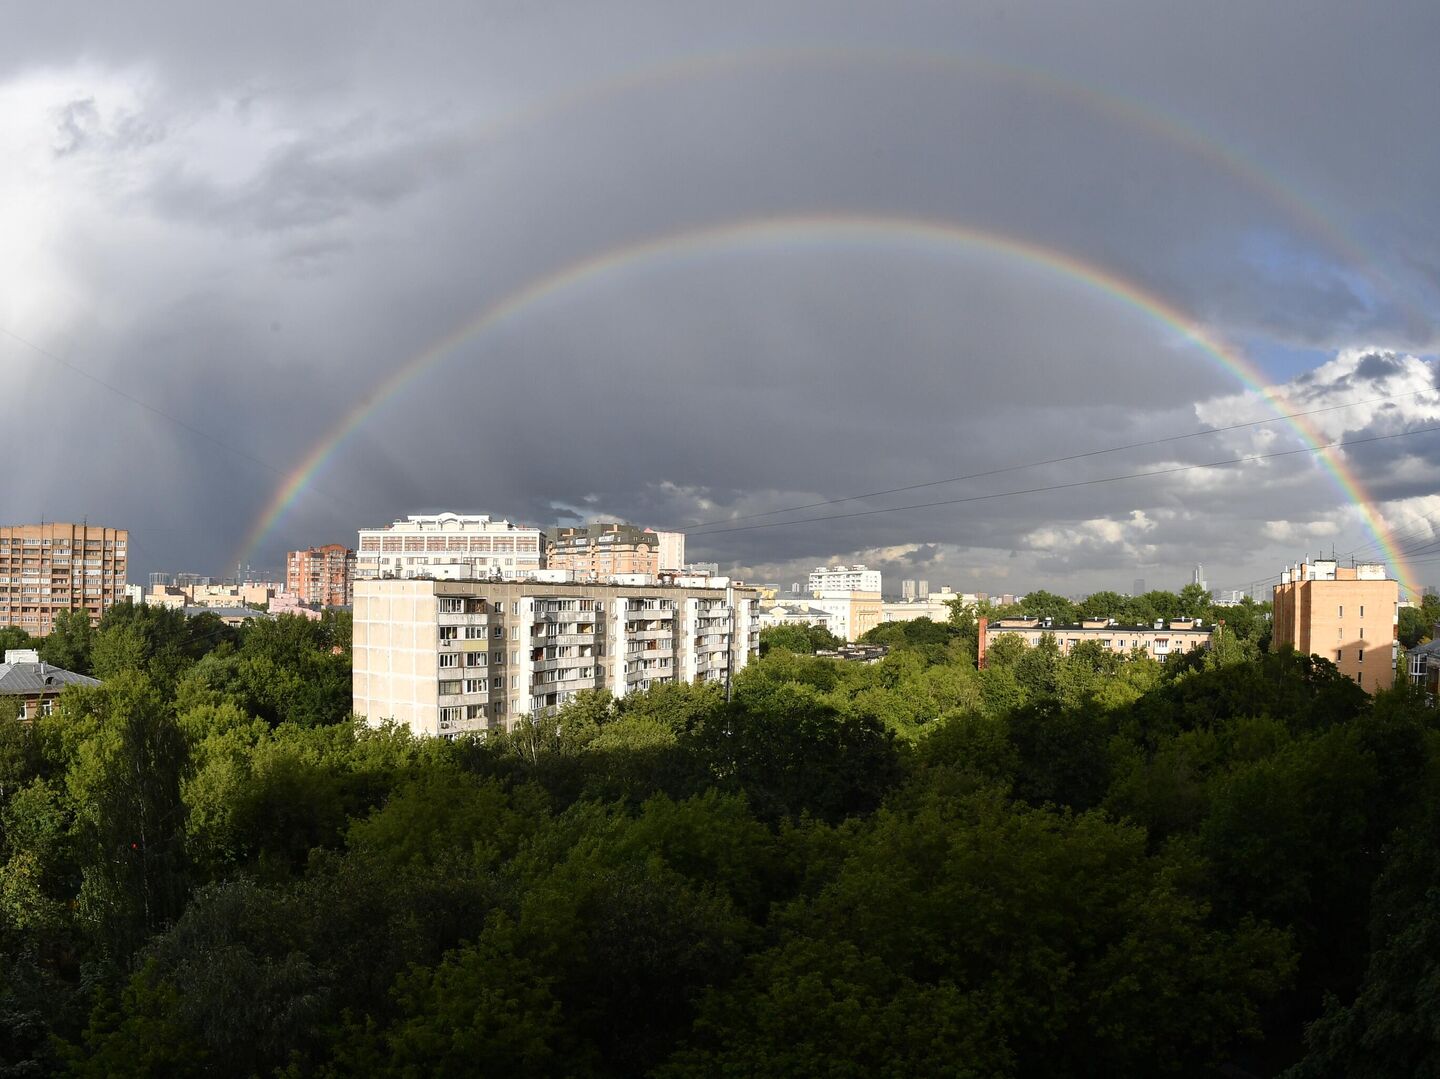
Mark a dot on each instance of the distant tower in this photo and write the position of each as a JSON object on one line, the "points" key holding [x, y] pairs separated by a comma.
{"points": [[1199, 577], [907, 590], [1138, 588], [924, 588]]}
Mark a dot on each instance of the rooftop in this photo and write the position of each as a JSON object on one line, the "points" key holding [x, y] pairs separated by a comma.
{"points": [[22, 676]]}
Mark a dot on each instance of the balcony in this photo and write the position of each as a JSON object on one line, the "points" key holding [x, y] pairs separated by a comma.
{"points": [[464, 619], [658, 613]]}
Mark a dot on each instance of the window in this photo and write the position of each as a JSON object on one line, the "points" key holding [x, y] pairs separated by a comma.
{"points": [[475, 685], [515, 633], [1340, 633], [499, 633], [1342, 611], [449, 659], [449, 633], [1338, 654], [449, 687], [514, 657], [452, 605], [1359, 655], [450, 715], [47, 706], [1362, 610], [474, 633], [474, 659]]}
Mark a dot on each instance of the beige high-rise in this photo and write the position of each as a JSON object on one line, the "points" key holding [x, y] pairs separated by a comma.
{"points": [[447, 657], [1349, 615], [48, 568]]}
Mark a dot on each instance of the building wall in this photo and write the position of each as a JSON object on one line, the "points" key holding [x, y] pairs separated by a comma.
{"points": [[321, 576], [45, 569], [1179, 636], [471, 544], [844, 579], [672, 550], [851, 613], [1331, 611], [452, 656]]}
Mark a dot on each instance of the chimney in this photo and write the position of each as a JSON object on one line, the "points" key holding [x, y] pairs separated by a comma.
{"points": [[980, 642]]}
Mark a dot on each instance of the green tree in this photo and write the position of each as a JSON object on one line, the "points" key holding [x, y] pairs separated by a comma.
{"points": [[130, 824], [69, 642]]}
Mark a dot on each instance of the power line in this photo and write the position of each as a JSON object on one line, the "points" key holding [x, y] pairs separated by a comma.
{"points": [[1073, 484], [1054, 460]]}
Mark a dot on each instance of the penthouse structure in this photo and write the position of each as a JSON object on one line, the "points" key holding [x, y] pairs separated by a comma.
{"points": [[601, 551], [49, 568], [321, 576], [1158, 639], [1349, 615], [449, 544], [447, 657]]}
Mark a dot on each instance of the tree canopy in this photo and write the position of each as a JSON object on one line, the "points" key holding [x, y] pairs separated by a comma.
{"points": [[1061, 865]]}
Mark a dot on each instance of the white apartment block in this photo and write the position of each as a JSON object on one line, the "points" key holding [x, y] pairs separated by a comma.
{"points": [[843, 579], [449, 544], [449, 657]]}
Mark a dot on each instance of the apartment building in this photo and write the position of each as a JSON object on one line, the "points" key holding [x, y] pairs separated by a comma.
{"points": [[601, 551], [1158, 639], [49, 568], [449, 544], [451, 656], [844, 579], [321, 576], [30, 687], [1349, 615]]}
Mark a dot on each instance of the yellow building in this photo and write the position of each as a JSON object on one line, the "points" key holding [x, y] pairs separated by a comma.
{"points": [[1349, 615]]}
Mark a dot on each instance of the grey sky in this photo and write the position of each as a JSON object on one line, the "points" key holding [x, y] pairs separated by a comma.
{"points": [[249, 221]]}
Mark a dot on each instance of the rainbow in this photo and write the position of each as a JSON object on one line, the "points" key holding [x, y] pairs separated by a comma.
{"points": [[792, 231], [1303, 212]]}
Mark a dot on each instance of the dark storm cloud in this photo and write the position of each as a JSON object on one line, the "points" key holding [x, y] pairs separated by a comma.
{"points": [[255, 221]]}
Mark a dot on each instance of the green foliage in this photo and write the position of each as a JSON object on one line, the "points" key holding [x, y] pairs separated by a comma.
{"points": [[1062, 865], [803, 640], [69, 643]]}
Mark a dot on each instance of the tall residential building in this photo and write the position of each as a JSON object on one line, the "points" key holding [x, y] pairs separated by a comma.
{"points": [[846, 579], [447, 657], [605, 550], [449, 544], [48, 568], [907, 590], [1347, 614], [1198, 577], [321, 576], [1138, 588]]}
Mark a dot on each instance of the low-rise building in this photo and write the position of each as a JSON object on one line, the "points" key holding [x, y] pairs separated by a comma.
{"points": [[799, 613], [447, 657], [1422, 665], [28, 686], [1158, 639]]}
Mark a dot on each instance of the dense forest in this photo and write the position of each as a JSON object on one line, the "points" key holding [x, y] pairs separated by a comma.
{"points": [[1055, 866]]}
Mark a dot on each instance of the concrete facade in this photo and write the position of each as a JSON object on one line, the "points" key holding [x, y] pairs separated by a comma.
{"points": [[851, 614], [844, 579], [448, 657], [49, 568], [1349, 615]]}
